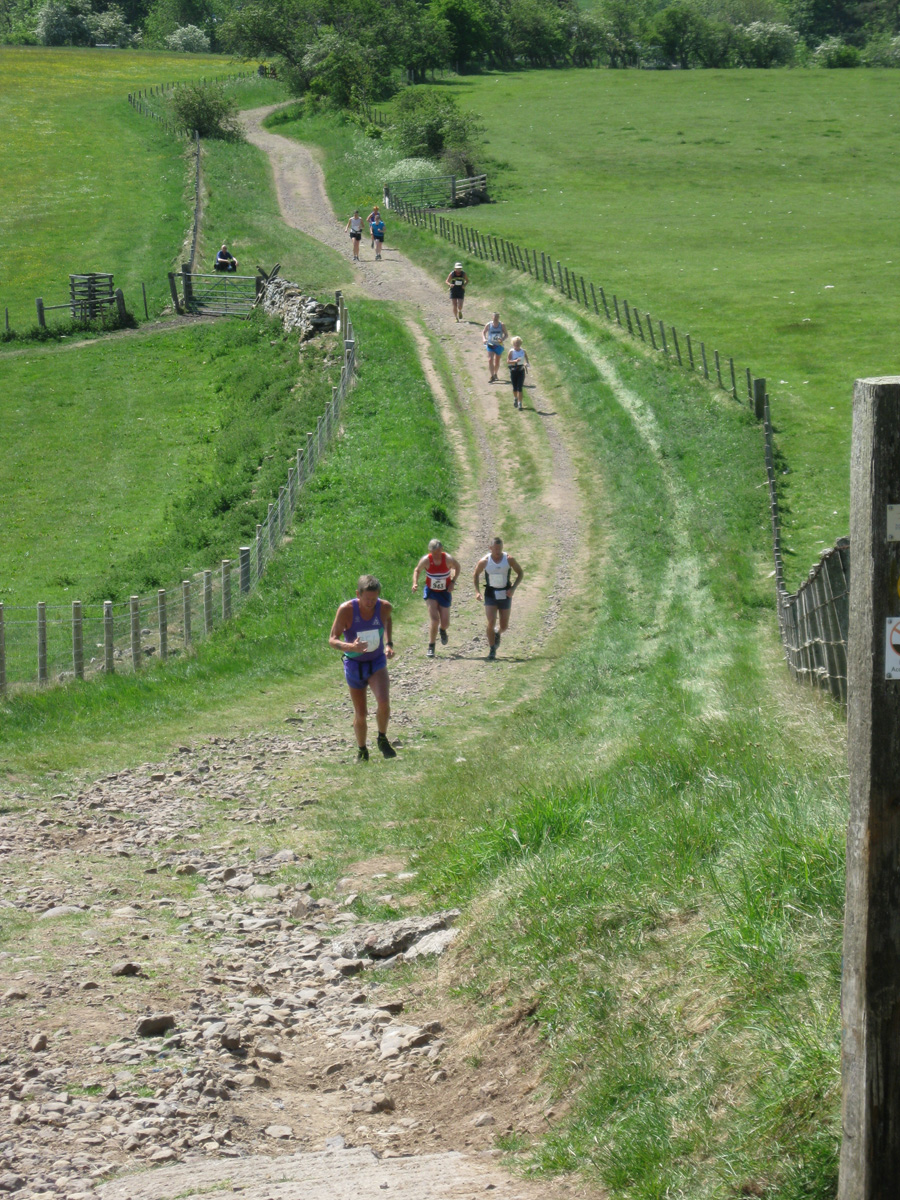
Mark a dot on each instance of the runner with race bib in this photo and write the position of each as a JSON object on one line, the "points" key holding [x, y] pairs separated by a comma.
{"points": [[441, 572], [498, 592], [362, 632]]}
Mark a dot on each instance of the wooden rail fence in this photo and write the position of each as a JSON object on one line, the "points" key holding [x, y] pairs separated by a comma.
{"points": [[813, 621], [57, 643], [142, 100]]}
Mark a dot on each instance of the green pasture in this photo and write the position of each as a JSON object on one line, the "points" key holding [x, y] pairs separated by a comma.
{"points": [[754, 210], [87, 183], [123, 462]]}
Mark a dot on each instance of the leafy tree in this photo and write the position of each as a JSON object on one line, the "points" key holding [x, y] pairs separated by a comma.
{"points": [[62, 24], [816, 20], [718, 45], [835, 53], [468, 28], [678, 33], [766, 44], [585, 38], [111, 29], [624, 27], [430, 125], [536, 33], [188, 39], [207, 108]]}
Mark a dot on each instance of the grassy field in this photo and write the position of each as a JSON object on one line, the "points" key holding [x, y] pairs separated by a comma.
{"points": [[88, 184], [752, 209], [172, 474]]}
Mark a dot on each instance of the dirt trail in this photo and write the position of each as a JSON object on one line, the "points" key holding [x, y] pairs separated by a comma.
{"points": [[288, 1070], [512, 446]]}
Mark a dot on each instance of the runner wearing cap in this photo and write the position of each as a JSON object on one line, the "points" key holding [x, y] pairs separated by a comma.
{"points": [[497, 567], [362, 631], [441, 572], [456, 282]]}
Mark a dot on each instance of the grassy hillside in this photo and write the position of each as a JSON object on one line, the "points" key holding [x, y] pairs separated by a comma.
{"points": [[752, 209], [88, 185]]}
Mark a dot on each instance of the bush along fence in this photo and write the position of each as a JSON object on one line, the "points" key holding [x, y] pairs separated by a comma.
{"points": [[142, 100], [60, 643], [813, 620]]}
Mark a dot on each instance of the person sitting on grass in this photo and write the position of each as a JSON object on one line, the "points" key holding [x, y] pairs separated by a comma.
{"points": [[225, 260]]}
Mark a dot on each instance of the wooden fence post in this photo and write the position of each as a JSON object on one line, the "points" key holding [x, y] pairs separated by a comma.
{"points": [[640, 325], [559, 274], [270, 523], [174, 290], [616, 307], [109, 643], [281, 513], [42, 320], [870, 1049], [759, 398], [77, 640], [121, 311], [244, 556], [146, 309], [733, 379], [260, 552], [705, 364], [42, 641], [652, 334], [677, 347], [208, 602], [226, 589], [662, 334], [690, 350], [2, 652], [605, 305], [628, 317], [134, 604], [163, 621], [186, 610], [594, 298], [718, 368]]}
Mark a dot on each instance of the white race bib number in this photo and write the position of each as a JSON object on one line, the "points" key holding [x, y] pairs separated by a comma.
{"points": [[372, 638], [499, 593], [496, 579], [438, 585]]}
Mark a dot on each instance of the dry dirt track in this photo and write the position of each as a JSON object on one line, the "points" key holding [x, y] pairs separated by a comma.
{"points": [[211, 1132], [548, 542]]}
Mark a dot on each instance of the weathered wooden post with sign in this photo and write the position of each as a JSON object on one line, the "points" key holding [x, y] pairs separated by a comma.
{"points": [[870, 1057]]}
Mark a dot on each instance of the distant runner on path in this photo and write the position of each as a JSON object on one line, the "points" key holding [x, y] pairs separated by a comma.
{"points": [[373, 216], [457, 282], [378, 237], [494, 335], [362, 630], [354, 225], [441, 572], [517, 361], [497, 567]]}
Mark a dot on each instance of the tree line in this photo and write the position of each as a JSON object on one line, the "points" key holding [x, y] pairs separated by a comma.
{"points": [[335, 47]]}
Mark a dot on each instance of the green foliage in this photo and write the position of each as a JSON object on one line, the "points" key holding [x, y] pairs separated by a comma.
{"points": [[429, 124], [833, 53], [188, 39], [62, 24], [766, 44], [468, 29], [207, 108]]}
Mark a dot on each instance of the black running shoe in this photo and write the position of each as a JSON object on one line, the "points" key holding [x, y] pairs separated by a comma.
{"points": [[429, 653], [492, 653], [385, 746], [497, 638], [443, 633], [362, 753]]}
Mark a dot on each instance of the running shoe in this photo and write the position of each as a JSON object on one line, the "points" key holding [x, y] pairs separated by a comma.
{"points": [[497, 637], [362, 753], [492, 653], [385, 746], [443, 633], [429, 653]]}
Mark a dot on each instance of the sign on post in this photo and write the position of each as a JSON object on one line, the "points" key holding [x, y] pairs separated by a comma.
{"points": [[870, 1047]]}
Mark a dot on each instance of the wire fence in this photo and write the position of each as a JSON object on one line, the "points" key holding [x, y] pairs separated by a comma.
{"points": [[145, 100], [813, 620], [57, 643]]}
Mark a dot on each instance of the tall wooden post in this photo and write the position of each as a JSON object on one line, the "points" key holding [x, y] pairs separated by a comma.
{"points": [[109, 645], [870, 1058]]}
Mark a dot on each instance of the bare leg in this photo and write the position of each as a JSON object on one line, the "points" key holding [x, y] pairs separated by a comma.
{"points": [[504, 619], [360, 707], [490, 612], [380, 683], [434, 618], [444, 615]]}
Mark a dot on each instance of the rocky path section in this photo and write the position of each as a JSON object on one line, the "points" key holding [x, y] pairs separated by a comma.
{"points": [[201, 1004]]}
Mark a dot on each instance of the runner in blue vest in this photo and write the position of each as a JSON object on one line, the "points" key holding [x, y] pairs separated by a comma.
{"points": [[362, 631], [378, 236]]}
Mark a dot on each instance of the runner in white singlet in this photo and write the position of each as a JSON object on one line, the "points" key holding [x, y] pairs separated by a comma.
{"points": [[498, 590]]}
